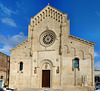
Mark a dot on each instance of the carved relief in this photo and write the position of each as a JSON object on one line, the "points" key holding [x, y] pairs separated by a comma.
{"points": [[46, 65], [34, 60], [67, 48], [57, 70], [73, 51], [49, 12], [43, 15], [35, 70], [57, 59], [24, 54], [81, 54], [84, 80], [40, 17]]}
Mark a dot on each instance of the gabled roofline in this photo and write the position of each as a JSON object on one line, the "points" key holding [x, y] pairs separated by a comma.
{"points": [[51, 7], [56, 9], [4, 54], [82, 40], [49, 11], [19, 45]]}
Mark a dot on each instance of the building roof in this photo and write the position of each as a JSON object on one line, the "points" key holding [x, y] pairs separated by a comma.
{"points": [[4, 54], [81, 40]]}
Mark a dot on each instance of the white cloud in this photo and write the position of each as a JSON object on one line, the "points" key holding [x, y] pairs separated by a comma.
{"points": [[11, 42], [6, 49], [8, 21], [6, 10], [96, 54], [97, 66]]}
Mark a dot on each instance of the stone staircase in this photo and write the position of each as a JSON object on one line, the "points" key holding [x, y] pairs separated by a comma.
{"points": [[41, 89]]}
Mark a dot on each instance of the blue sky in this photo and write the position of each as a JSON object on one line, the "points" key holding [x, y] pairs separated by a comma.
{"points": [[15, 16]]}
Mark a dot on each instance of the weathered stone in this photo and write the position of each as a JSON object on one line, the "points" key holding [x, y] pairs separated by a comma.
{"points": [[50, 47]]}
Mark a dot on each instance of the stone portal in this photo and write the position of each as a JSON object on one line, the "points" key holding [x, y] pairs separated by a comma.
{"points": [[46, 78]]}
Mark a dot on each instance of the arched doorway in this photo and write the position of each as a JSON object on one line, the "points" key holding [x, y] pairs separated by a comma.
{"points": [[46, 78], [46, 70]]}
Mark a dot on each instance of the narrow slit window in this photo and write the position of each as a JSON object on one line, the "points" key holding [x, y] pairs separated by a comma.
{"points": [[1, 77], [21, 66], [76, 63]]}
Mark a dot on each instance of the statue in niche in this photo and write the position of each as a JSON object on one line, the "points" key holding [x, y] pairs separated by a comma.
{"points": [[57, 71], [47, 28], [46, 65], [34, 60], [57, 59], [35, 70], [84, 80]]}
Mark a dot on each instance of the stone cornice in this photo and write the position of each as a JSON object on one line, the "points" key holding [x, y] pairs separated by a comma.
{"points": [[81, 40], [49, 11], [19, 45]]}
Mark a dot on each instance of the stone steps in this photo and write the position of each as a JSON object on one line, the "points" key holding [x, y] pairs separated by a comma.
{"points": [[41, 89]]}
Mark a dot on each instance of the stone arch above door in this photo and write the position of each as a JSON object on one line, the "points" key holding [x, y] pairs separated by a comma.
{"points": [[46, 64]]}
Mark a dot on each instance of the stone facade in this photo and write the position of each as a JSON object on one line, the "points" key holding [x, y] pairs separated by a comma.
{"points": [[4, 69], [50, 47]]}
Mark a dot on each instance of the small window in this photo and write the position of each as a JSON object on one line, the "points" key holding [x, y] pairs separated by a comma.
{"points": [[8, 79], [21, 66], [97, 79], [1, 77], [76, 63]]}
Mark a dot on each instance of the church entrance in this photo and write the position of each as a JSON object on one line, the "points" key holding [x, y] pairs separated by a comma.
{"points": [[46, 78]]}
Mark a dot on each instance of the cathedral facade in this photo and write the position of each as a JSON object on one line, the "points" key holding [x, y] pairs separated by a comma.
{"points": [[51, 57]]}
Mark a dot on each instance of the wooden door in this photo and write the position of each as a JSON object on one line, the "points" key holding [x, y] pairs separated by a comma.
{"points": [[45, 78]]}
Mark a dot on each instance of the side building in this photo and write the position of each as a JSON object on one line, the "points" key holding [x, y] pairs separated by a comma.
{"points": [[97, 78], [4, 69]]}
